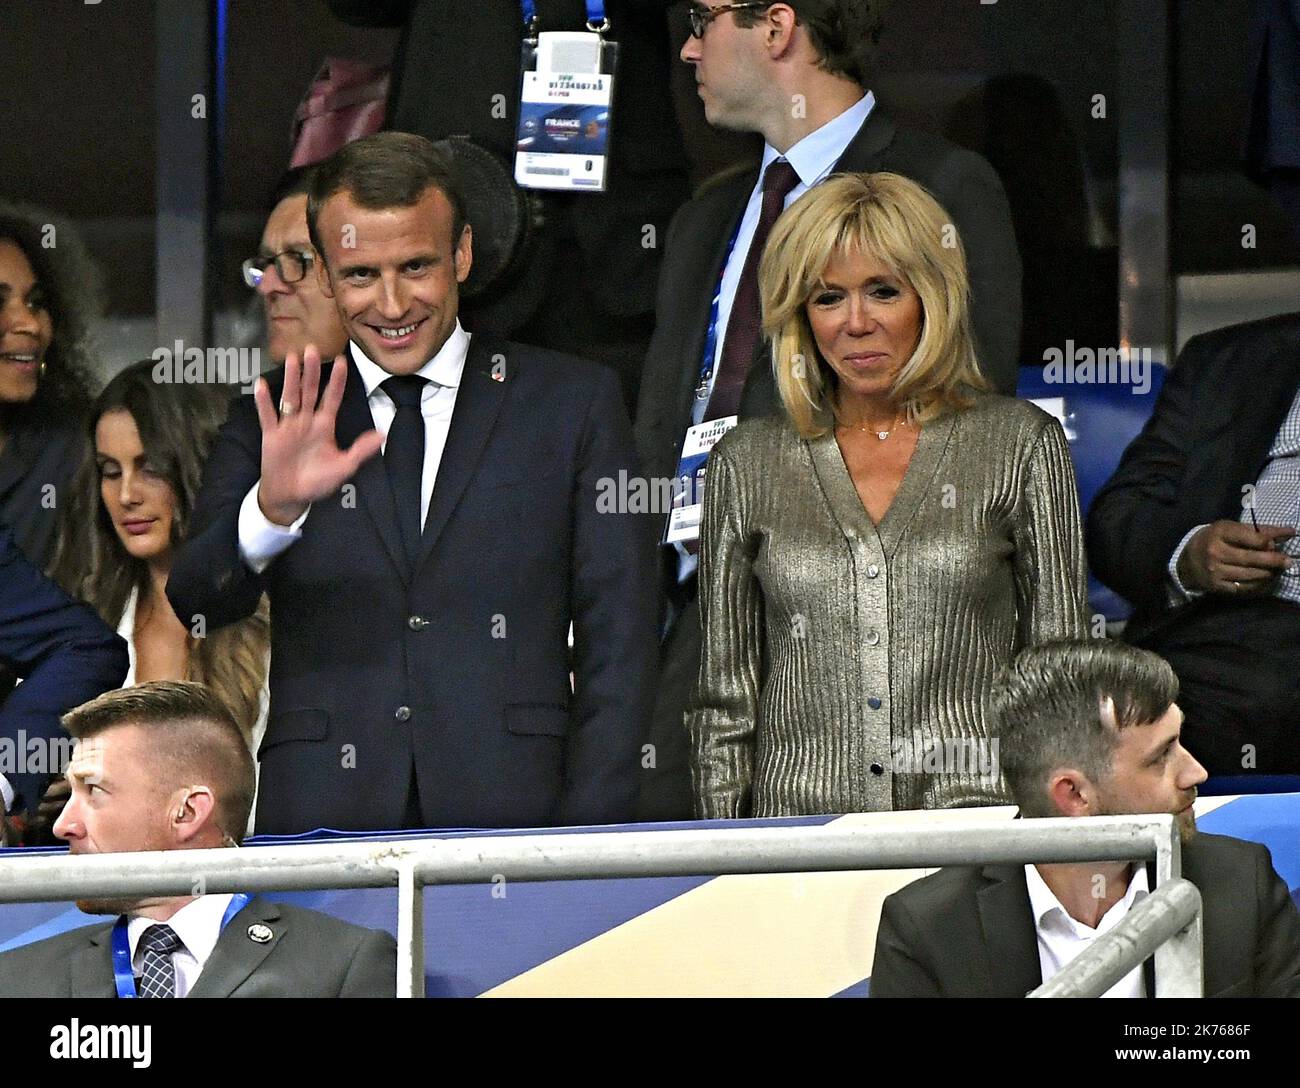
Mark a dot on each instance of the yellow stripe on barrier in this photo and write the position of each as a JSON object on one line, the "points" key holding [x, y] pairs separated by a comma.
{"points": [[770, 935]]}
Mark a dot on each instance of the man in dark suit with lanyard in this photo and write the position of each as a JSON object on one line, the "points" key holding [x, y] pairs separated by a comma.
{"points": [[421, 601], [163, 766], [797, 72]]}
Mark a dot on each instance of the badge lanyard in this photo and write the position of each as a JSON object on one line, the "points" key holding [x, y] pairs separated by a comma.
{"points": [[123, 976], [711, 336], [596, 21]]}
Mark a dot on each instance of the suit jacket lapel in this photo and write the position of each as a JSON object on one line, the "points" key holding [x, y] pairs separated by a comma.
{"points": [[90, 968], [1010, 939], [478, 400], [371, 480], [237, 955]]}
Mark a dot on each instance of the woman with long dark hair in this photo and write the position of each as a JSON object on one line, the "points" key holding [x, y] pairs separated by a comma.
{"points": [[131, 504], [48, 297]]}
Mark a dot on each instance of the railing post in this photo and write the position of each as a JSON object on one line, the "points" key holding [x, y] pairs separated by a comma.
{"points": [[410, 932]]}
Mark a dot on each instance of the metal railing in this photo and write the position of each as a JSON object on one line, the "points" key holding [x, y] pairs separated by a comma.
{"points": [[410, 865]]}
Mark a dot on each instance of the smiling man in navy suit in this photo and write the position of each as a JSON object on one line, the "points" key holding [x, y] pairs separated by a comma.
{"points": [[421, 600]]}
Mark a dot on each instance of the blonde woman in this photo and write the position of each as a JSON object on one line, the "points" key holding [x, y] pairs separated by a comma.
{"points": [[872, 557]]}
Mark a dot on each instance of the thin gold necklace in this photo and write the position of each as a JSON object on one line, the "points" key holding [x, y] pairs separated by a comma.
{"points": [[882, 435]]}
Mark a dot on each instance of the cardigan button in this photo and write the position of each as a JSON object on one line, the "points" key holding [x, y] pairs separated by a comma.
{"points": [[876, 768], [872, 570], [873, 637], [873, 702]]}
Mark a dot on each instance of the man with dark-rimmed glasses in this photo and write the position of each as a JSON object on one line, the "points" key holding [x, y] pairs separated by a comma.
{"points": [[702, 16], [799, 73], [284, 276]]}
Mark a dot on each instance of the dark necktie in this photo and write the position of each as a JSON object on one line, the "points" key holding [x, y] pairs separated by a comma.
{"points": [[404, 456], [158, 979], [744, 324]]}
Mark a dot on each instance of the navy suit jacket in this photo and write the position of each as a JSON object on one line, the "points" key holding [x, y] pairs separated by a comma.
{"points": [[459, 669], [65, 655]]}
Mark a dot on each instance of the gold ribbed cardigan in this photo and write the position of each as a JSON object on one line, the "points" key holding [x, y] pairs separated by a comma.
{"points": [[831, 644]]}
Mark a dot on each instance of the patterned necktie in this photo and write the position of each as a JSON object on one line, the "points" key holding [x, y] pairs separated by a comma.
{"points": [[744, 324], [159, 976], [404, 456]]}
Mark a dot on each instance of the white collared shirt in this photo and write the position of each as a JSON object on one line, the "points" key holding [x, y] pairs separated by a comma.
{"points": [[260, 540], [197, 924], [813, 158], [1062, 937]]}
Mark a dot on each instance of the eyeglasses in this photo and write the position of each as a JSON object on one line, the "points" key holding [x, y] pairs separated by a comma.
{"points": [[701, 17], [291, 265]]}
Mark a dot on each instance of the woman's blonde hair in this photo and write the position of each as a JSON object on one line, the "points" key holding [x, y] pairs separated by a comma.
{"points": [[897, 222]]}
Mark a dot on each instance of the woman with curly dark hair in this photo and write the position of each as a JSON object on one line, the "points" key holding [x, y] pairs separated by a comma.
{"points": [[48, 296]]}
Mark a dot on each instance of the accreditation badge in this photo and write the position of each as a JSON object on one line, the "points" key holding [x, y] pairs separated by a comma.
{"points": [[688, 483], [564, 112]]}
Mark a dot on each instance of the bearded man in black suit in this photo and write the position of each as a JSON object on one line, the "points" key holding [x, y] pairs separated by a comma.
{"points": [[1088, 728]]}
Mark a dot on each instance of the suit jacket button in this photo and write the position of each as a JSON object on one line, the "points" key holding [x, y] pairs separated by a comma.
{"points": [[876, 768], [417, 623], [403, 714]]}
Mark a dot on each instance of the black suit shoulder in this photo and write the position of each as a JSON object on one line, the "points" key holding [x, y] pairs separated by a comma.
{"points": [[935, 896], [12, 961], [928, 156], [546, 365], [1249, 338]]}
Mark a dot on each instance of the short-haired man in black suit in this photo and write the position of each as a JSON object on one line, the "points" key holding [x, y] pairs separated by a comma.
{"points": [[1087, 729], [797, 72], [163, 766], [421, 601]]}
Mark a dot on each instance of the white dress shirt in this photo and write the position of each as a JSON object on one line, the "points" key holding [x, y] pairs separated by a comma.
{"points": [[261, 540], [197, 924], [1061, 937]]}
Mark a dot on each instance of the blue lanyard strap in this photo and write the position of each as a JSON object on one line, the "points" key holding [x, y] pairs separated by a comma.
{"points": [[123, 976], [711, 336], [595, 14]]}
